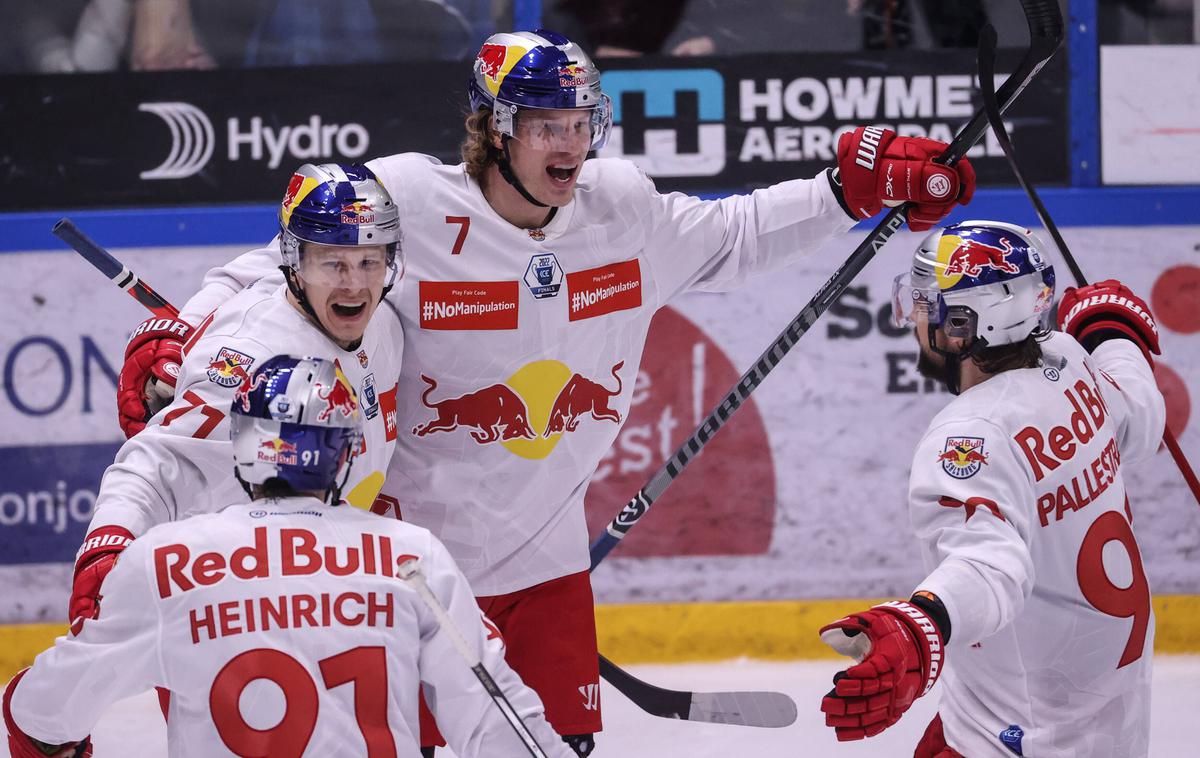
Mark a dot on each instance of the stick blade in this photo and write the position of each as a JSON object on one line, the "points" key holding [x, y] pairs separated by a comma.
{"points": [[769, 710], [761, 709]]}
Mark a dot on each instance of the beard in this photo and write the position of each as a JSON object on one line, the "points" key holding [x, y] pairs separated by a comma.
{"points": [[930, 365]]}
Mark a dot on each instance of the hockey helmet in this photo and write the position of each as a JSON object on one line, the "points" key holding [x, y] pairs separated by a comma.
{"points": [[984, 280], [338, 204], [295, 419], [515, 74]]}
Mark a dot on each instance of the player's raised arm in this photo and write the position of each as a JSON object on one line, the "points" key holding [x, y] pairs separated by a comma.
{"points": [[466, 716], [714, 245], [1118, 329]]}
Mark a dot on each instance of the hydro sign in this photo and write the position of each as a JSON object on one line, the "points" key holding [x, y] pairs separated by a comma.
{"points": [[193, 140], [670, 122]]}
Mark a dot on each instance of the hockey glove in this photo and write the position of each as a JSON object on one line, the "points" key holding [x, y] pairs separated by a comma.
{"points": [[1105, 310], [899, 652], [21, 745], [97, 556], [877, 168], [147, 382]]}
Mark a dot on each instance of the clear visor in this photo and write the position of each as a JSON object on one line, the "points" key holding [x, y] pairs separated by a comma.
{"points": [[351, 267], [914, 302], [557, 130]]}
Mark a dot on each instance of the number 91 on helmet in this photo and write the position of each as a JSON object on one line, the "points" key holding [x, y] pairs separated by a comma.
{"points": [[295, 429]]}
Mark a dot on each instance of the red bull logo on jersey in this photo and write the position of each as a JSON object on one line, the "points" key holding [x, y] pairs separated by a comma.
{"points": [[963, 456], [529, 412], [277, 451], [339, 398], [229, 368], [358, 213]]}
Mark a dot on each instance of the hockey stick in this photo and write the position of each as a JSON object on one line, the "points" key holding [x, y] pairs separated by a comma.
{"points": [[1045, 36], [766, 709], [410, 572], [987, 55], [756, 708], [120, 275]]}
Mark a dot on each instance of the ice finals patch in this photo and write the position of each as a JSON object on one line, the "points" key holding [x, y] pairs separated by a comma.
{"points": [[963, 456]]}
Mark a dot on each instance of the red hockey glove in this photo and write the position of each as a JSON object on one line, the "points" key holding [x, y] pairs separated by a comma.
{"points": [[97, 556], [1107, 309], [21, 745], [877, 168], [147, 381], [899, 652]]}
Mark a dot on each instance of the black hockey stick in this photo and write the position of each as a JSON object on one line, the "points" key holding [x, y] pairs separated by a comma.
{"points": [[765, 709], [1045, 36], [987, 57], [120, 274]]}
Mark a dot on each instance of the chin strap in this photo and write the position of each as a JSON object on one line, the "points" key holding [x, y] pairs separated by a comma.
{"points": [[505, 166]]}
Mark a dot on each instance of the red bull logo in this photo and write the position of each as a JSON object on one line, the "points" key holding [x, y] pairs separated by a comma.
{"points": [[527, 413], [583, 397], [277, 451], [572, 75], [229, 368], [493, 413], [490, 61], [971, 257], [339, 397], [248, 385], [963, 456], [358, 213]]}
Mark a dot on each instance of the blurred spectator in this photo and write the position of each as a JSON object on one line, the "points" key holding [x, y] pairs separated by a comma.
{"points": [[313, 32], [627, 27]]}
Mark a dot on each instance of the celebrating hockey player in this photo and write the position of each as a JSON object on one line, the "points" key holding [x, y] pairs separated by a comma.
{"points": [[340, 239], [280, 625], [532, 278], [1035, 612]]}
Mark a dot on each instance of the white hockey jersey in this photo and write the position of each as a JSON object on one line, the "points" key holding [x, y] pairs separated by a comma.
{"points": [[181, 464], [1018, 498], [522, 346], [281, 629]]}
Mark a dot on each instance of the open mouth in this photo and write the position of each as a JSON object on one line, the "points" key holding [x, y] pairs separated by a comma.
{"points": [[348, 311], [561, 174]]}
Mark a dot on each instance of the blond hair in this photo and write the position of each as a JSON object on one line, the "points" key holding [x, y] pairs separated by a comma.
{"points": [[478, 150]]}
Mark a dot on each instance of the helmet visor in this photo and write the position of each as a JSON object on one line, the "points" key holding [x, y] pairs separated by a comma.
{"points": [[557, 129], [914, 300]]}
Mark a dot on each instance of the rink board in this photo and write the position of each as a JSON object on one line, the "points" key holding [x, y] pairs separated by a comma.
{"points": [[801, 497]]}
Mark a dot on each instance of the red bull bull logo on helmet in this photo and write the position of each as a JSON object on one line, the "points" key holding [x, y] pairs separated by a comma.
{"points": [[572, 75], [277, 451], [358, 213], [339, 397], [229, 368], [490, 60], [963, 456], [970, 257]]}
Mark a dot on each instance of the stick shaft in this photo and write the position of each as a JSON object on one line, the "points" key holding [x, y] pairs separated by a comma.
{"points": [[1045, 31], [117, 272], [987, 52]]}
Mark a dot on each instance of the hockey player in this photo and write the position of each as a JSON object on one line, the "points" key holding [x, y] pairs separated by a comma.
{"points": [[1036, 611], [280, 625], [340, 243], [533, 275]]}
